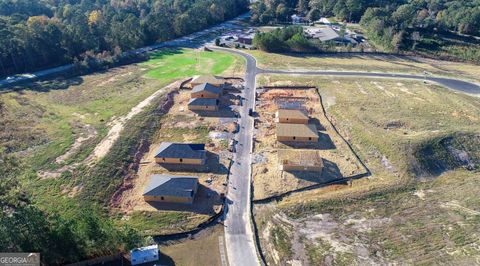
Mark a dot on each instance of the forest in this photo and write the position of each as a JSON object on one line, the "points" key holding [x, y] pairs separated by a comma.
{"points": [[36, 34], [438, 27]]}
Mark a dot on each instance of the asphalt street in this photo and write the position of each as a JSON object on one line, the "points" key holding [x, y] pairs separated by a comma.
{"points": [[449, 83], [240, 241], [238, 231]]}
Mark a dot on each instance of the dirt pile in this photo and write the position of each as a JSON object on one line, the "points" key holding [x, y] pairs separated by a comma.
{"points": [[458, 150]]}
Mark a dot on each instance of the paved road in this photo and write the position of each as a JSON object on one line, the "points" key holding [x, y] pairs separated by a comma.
{"points": [[238, 231], [450, 83], [239, 236]]}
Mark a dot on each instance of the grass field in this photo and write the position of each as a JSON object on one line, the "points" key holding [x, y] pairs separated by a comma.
{"points": [[365, 62], [179, 64], [42, 121], [419, 205]]}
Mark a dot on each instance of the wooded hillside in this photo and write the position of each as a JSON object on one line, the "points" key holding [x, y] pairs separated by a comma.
{"points": [[43, 33], [444, 28]]}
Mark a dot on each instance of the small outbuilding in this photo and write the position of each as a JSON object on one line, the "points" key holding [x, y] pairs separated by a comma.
{"points": [[181, 153], [203, 104], [144, 255], [298, 19], [211, 79], [297, 132], [246, 39], [206, 90], [291, 116], [171, 189]]}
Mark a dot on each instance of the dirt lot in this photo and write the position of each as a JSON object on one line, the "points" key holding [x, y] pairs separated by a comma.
{"points": [[205, 248], [269, 179], [395, 216], [183, 125]]}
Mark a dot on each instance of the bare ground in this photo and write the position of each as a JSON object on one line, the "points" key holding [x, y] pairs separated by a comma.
{"points": [[102, 148], [118, 123], [269, 180]]}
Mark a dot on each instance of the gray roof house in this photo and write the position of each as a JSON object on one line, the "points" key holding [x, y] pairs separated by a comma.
{"points": [[205, 104], [327, 34], [170, 188], [186, 153], [206, 90]]}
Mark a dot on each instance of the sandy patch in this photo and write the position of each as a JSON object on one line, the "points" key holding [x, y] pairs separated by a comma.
{"points": [[117, 125]]}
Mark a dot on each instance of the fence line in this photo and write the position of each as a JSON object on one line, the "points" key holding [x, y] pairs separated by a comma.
{"points": [[315, 186]]}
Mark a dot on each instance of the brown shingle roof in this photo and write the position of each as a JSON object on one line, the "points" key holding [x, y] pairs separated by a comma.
{"points": [[206, 87], [209, 79], [293, 114], [297, 130]]}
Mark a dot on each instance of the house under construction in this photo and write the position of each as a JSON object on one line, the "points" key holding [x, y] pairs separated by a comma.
{"points": [[300, 160]]}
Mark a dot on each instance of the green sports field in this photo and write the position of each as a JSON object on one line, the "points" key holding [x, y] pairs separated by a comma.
{"points": [[174, 64]]}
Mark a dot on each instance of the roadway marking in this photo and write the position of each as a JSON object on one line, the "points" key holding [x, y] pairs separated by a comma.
{"points": [[221, 246]]}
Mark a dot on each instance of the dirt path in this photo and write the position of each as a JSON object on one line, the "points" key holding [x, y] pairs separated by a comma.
{"points": [[104, 146], [89, 133], [117, 125]]}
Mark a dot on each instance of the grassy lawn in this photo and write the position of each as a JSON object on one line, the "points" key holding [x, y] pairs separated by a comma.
{"points": [[419, 205], [174, 64], [370, 63], [42, 121]]}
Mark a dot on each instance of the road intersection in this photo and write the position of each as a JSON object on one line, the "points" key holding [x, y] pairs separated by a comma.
{"points": [[240, 240]]}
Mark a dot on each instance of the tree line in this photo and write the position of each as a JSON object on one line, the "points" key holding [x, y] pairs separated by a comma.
{"points": [[438, 27], [42, 33], [462, 16], [288, 39], [280, 11], [403, 26]]}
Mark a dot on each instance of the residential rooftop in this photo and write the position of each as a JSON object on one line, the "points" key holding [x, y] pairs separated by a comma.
{"points": [[206, 87], [297, 130], [214, 80], [291, 114], [170, 185], [203, 102], [181, 150]]}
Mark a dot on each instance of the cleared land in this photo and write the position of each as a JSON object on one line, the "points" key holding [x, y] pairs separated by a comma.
{"points": [[419, 206], [182, 125], [53, 123], [204, 249], [269, 179], [365, 62]]}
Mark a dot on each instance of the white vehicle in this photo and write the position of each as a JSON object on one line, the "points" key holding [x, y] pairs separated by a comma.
{"points": [[144, 254]]}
